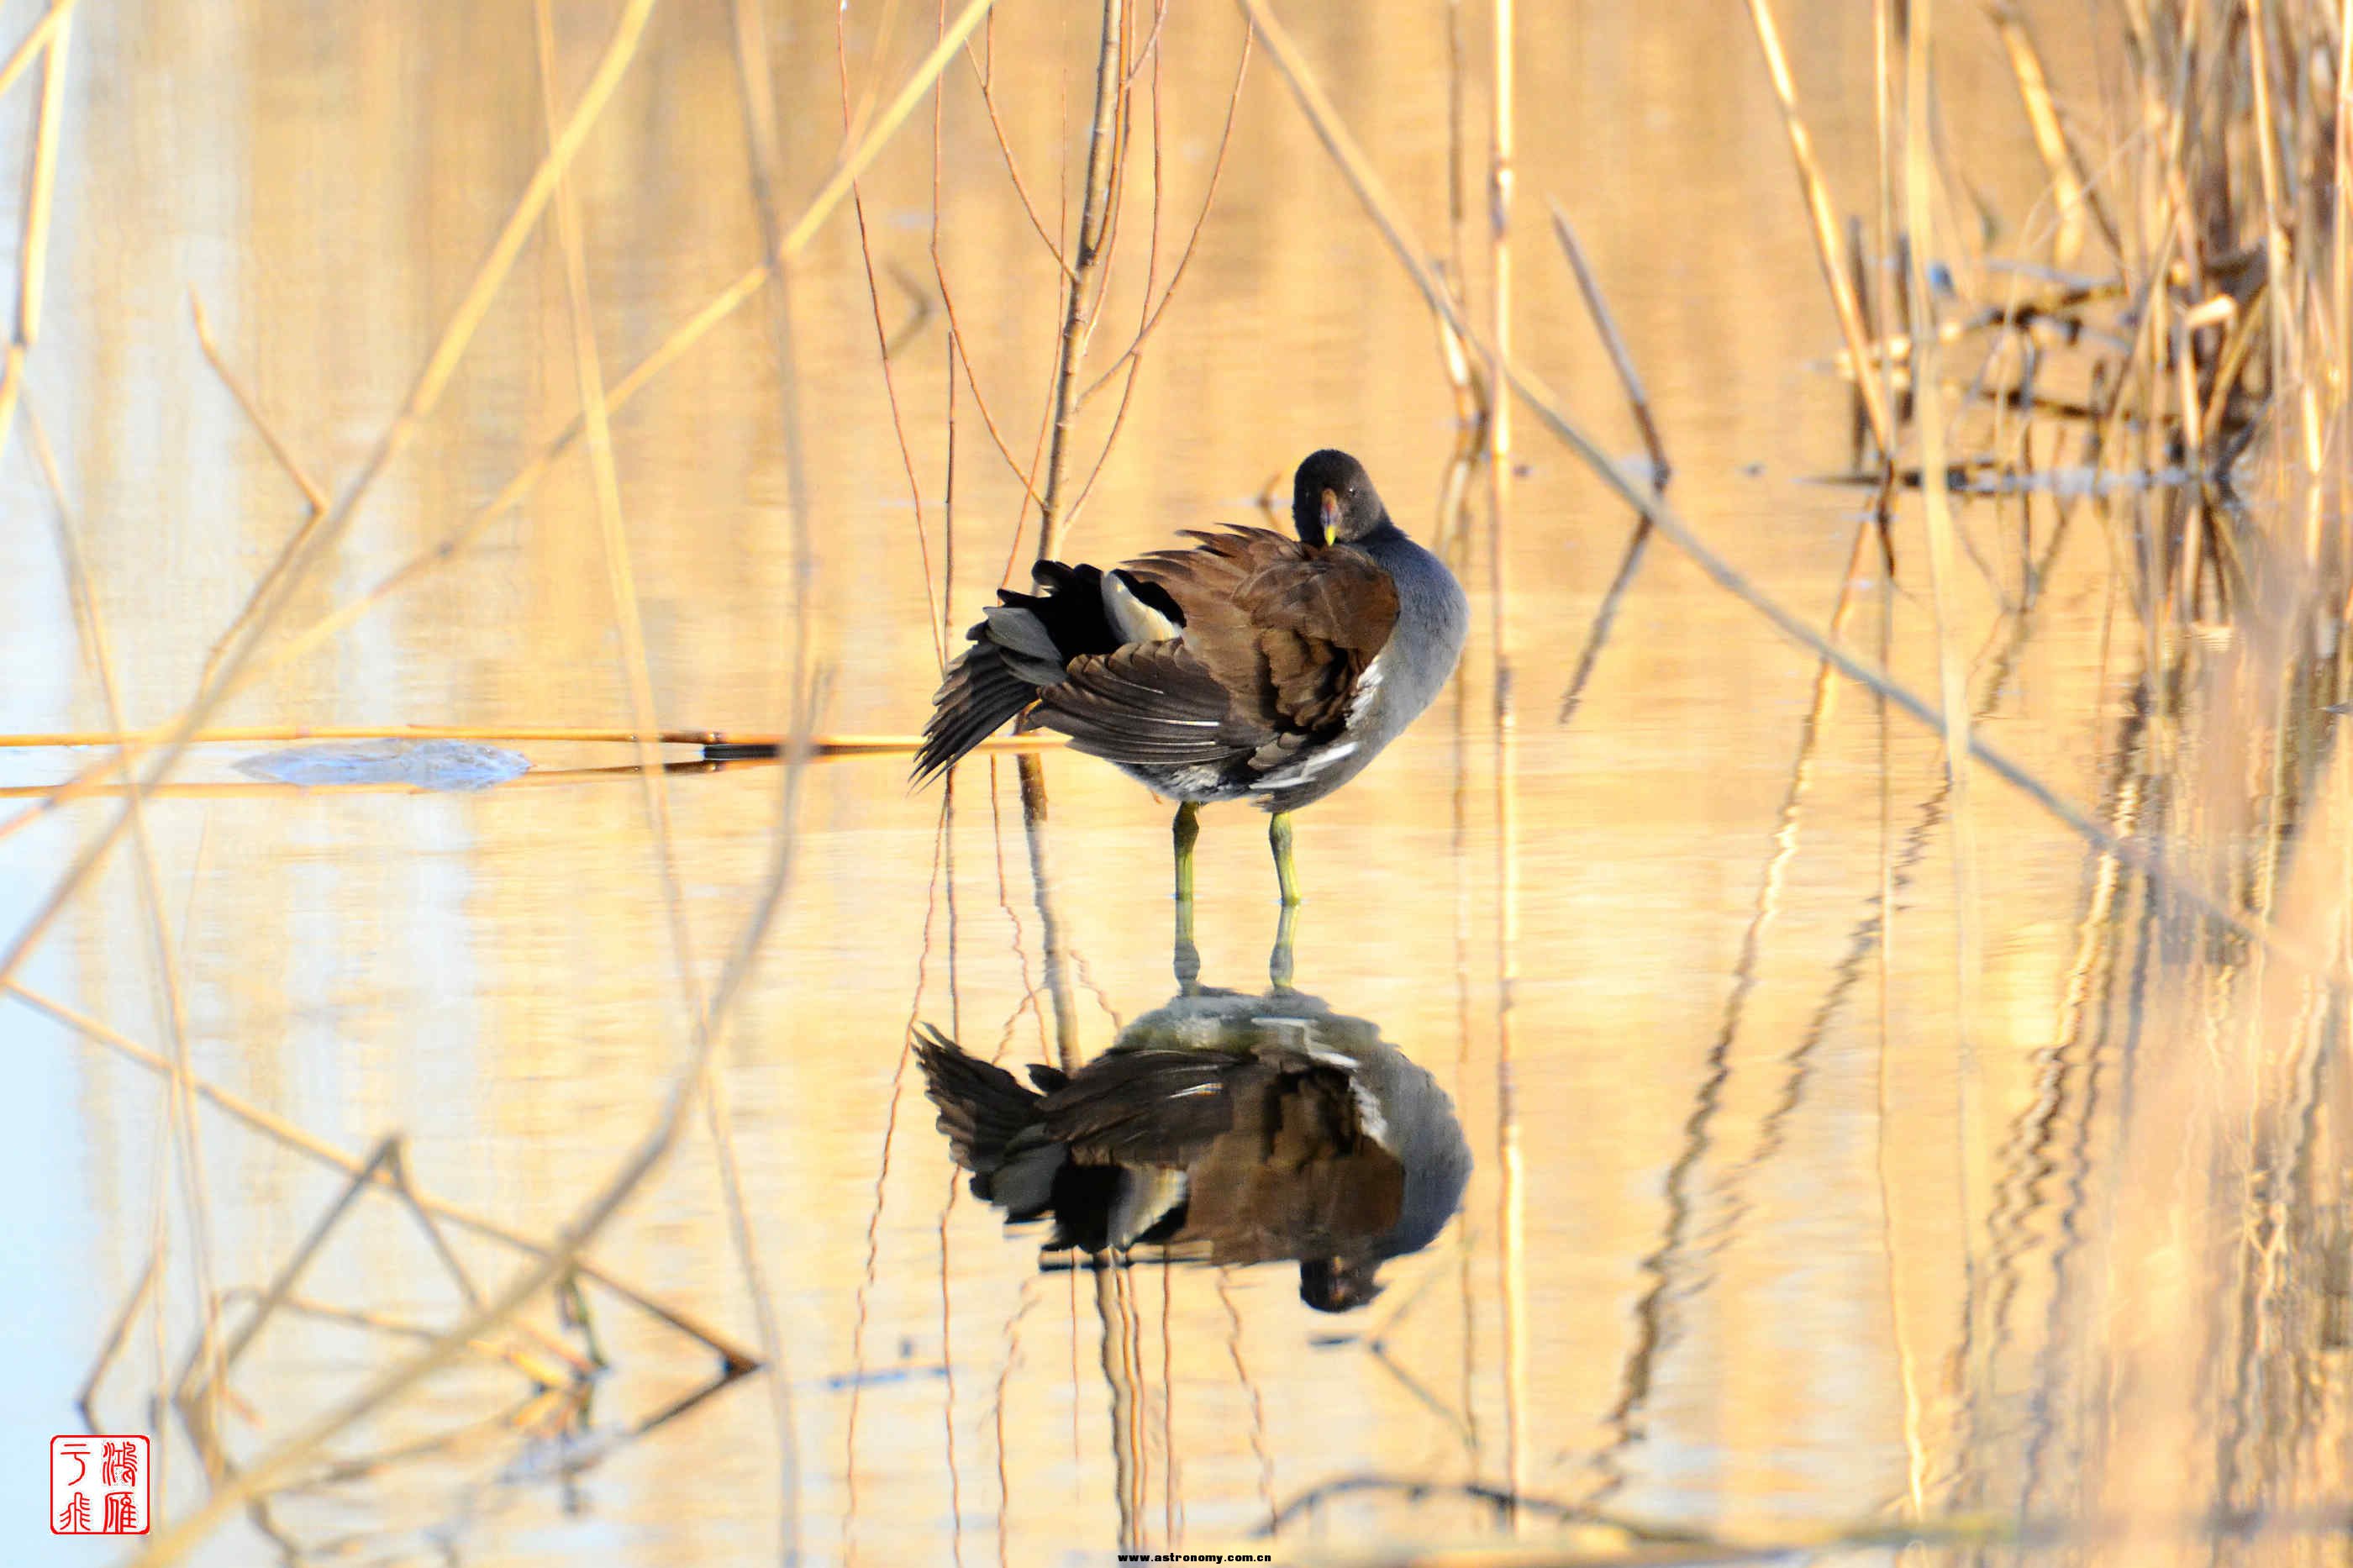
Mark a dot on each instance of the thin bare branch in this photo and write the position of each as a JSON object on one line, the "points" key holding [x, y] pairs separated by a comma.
{"points": [[1029, 208], [1208, 200], [1094, 217], [767, 164]]}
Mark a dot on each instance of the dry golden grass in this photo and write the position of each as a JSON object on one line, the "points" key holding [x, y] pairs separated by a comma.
{"points": [[2178, 330]]}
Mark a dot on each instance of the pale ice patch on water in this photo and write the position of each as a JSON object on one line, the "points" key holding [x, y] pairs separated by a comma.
{"points": [[426, 764]]}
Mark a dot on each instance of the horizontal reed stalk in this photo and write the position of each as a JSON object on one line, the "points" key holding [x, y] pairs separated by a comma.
{"points": [[819, 745]]}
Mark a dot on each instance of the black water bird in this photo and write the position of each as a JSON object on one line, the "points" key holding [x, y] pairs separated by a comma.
{"points": [[1251, 667], [1229, 1128]]}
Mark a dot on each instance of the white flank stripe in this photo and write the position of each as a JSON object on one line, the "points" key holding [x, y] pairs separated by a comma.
{"points": [[1299, 772]]}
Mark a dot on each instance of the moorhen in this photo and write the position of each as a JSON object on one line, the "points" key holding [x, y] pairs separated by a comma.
{"points": [[1229, 1128], [1251, 667]]}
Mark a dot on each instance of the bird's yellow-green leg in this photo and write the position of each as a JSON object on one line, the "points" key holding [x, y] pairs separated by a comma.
{"points": [[1278, 963], [1278, 833], [1186, 832]]}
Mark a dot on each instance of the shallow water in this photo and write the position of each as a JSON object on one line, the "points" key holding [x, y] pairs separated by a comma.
{"points": [[1774, 1228]]}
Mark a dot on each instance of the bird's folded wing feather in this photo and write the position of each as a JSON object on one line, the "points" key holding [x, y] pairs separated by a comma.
{"points": [[1150, 704], [1153, 1105], [1283, 629]]}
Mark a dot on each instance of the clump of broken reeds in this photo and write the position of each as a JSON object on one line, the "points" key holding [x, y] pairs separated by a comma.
{"points": [[2164, 334], [2158, 350]]}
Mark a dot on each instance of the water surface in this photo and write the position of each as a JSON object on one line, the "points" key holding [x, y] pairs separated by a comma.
{"points": [[1716, 1266]]}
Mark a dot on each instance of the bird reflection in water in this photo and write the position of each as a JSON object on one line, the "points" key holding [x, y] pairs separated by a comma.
{"points": [[1222, 1128]]}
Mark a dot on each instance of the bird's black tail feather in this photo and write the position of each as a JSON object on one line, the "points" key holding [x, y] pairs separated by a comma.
{"points": [[980, 694], [983, 1108], [1018, 648]]}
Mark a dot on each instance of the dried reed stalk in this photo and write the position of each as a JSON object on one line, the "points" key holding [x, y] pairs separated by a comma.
{"points": [[424, 394], [2072, 193], [49, 39], [1511, 1196], [1827, 249], [1970, 1124], [764, 146], [836, 745], [1155, 310], [1317, 106], [165, 948], [1622, 359], [659, 1139], [289, 1136], [638, 673], [1638, 402], [34, 42], [253, 664]]}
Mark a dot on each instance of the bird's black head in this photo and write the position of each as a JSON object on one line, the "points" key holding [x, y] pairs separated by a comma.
{"points": [[1337, 1284], [1333, 500]]}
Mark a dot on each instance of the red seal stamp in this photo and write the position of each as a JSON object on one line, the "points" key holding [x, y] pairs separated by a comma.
{"points": [[98, 1485]]}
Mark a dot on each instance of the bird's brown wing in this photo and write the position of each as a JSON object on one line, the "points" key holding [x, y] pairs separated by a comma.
{"points": [[1160, 1104], [1300, 1183], [1152, 1105], [1285, 630], [1148, 705]]}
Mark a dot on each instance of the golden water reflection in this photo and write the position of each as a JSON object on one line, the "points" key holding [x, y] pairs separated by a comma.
{"points": [[1788, 1231]]}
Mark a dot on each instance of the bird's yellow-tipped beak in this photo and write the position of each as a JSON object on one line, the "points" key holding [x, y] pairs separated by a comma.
{"points": [[1331, 515]]}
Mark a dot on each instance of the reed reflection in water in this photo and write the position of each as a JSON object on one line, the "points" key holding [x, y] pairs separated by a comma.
{"points": [[1864, 1144]]}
